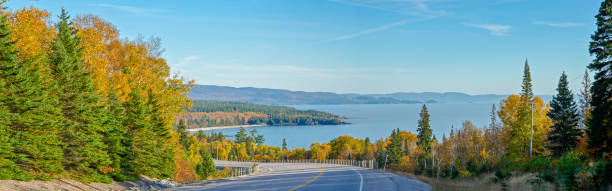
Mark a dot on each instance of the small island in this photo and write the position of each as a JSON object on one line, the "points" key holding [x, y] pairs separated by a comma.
{"points": [[223, 114]]}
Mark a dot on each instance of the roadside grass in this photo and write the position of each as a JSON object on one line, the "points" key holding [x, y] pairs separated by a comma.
{"points": [[518, 182]]}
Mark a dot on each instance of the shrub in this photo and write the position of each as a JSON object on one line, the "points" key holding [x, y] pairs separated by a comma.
{"points": [[464, 174], [569, 165], [537, 164]]}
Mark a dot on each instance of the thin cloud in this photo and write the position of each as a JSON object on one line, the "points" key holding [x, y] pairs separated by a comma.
{"points": [[494, 29], [419, 8], [369, 31], [130, 9], [559, 24], [188, 60]]}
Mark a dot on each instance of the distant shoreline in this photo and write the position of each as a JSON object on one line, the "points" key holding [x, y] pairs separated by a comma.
{"points": [[223, 127]]}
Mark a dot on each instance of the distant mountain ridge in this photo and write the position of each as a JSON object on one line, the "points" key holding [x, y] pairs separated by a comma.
{"points": [[286, 97]]}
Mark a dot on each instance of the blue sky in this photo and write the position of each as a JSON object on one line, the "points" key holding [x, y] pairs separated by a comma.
{"points": [[360, 46]]}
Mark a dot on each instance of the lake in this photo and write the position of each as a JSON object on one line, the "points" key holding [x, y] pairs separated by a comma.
{"points": [[375, 121]]}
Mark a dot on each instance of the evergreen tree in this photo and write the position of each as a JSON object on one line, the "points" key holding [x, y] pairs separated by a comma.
{"points": [[284, 144], [241, 135], [33, 119], [163, 135], [8, 169], [585, 99], [139, 134], [394, 152], [600, 126], [366, 149], [424, 132], [564, 134], [115, 133], [181, 129], [527, 92], [84, 150], [207, 167], [520, 129], [493, 116]]}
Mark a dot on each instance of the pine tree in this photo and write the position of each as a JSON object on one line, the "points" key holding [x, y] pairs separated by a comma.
{"points": [[284, 144], [115, 133], [424, 132], [600, 126], [34, 120], [82, 132], [138, 140], [564, 134]]}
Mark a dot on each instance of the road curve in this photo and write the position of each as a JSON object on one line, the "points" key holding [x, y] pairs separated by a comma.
{"points": [[308, 176]]}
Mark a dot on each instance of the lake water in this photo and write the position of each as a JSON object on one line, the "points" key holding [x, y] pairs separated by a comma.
{"points": [[374, 121]]}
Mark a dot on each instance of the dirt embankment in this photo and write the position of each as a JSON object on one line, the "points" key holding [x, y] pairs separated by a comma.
{"points": [[71, 185]]}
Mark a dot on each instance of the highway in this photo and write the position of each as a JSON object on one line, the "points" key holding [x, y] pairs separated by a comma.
{"points": [[309, 176]]}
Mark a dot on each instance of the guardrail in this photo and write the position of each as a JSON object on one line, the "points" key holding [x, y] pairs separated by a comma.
{"points": [[240, 171], [371, 164]]}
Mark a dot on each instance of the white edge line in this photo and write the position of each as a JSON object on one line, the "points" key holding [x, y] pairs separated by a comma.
{"points": [[360, 178]]}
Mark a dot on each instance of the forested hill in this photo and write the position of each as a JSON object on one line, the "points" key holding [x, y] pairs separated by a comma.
{"points": [[286, 97], [220, 113]]}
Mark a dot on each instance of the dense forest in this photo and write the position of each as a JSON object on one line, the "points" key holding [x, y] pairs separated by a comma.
{"points": [[78, 102], [219, 113]]}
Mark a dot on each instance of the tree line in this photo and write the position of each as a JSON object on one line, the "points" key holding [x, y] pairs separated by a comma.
{"points": [[220, 113]]}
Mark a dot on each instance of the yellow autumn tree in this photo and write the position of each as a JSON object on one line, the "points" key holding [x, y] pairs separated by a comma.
{"points": [[515, 115], [96, 35], [319, 151], [33, 34]]}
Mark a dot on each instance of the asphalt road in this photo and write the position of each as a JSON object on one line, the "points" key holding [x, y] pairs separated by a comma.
{"points": [[316, 177]]}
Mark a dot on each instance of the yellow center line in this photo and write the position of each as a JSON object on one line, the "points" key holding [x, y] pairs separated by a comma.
{"points": [[307, 182]]}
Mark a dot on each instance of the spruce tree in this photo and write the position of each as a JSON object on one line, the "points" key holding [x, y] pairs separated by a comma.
{"points": [[34, 120], [82, 132], [164, 162], [138, 139], [600, 126], [520, 130], [8, 169], [284, 144], [206, 167], [115, 133], [527, 92], [585, 99], [182, 134], [394, 152], [424, 132], [564, 134], [7, 166]]}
